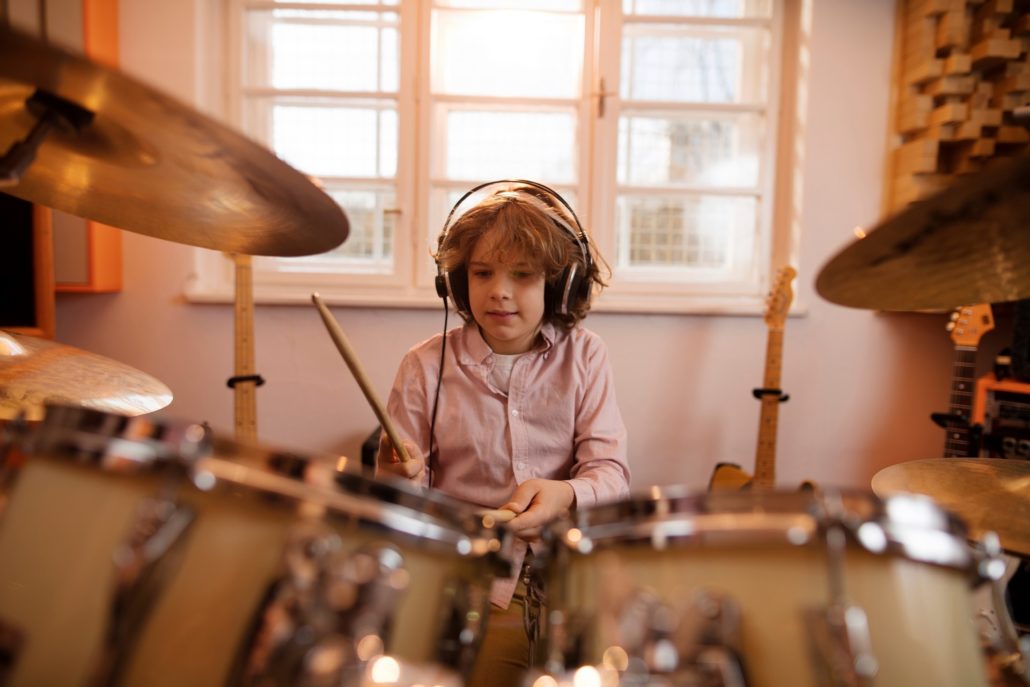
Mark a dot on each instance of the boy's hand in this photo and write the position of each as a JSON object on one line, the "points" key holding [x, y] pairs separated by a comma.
{"points": [[537, 502], [388, 461]]}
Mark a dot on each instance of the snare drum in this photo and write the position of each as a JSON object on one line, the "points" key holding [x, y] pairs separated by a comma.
{"points": [[132, 552], [763, 588]]}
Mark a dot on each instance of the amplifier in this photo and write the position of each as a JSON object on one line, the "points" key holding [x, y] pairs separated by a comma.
{"points": [[1002, 408]]}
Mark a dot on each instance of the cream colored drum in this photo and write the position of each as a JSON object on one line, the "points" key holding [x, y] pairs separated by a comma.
{"points": [[762, 589], [134, 552]]}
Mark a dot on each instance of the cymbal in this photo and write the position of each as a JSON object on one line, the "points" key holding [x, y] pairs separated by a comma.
{"points": [[35, 371], [988, 493], [150, 164], [968, 244]]}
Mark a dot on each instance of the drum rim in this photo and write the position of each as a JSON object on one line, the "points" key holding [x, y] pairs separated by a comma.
{"points": [[910, 525], [138, 444]]}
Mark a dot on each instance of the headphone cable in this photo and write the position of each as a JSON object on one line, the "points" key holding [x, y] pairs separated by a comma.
{"points": [[436, 397]]}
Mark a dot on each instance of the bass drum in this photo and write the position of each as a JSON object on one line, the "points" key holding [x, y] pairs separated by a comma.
{"points": [[763, 589], [143, 552]]}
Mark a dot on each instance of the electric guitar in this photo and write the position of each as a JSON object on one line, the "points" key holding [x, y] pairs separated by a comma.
{"points": [[967, 325], [728, 476]]}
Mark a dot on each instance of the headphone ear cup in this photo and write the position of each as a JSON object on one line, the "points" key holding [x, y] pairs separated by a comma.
{"points": [[459, 290], [570, 288]]}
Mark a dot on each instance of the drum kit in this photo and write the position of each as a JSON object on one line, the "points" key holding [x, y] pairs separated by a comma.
{"points": [[140, 551]]}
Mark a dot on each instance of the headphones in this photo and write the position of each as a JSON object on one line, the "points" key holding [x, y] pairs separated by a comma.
{"points": [[559, 298]]}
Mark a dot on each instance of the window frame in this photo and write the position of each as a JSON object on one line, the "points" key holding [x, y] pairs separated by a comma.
{"points": [[595, 189]]}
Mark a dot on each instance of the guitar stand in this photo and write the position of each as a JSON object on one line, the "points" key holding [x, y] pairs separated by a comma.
{"points": [[762, 393], [233, 381], [950, 421], [955, 421]]}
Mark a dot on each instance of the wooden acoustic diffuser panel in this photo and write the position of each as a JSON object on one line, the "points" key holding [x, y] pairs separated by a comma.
{"points": [[964, 88]]}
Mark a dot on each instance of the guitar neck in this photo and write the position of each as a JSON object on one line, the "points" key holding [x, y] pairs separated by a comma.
{"points": [[245, 393], [765, 454], [962, 384]]}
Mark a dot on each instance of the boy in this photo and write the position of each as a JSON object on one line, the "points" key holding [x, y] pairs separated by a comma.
{"points": [[523, 395]]}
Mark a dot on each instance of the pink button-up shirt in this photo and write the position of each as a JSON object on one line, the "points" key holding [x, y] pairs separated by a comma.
{"points": [[559, 420]]}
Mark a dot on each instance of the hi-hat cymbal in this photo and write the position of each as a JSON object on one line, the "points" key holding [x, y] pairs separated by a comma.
{"points": [[36, 371], [149, 164], [967, 244], [988, 493]]}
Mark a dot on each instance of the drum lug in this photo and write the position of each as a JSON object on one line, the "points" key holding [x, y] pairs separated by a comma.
{"points": [[841, 644], [1003, 648], [839, 634], [139, 566], [656, 644], [713, 640], [328, 615]]}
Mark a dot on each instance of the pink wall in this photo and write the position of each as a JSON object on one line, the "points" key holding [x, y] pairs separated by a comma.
{"points": [[862, 384]]}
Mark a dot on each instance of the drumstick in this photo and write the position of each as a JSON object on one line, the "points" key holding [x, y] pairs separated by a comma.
{"points": [[501, 515], [351, 359]]}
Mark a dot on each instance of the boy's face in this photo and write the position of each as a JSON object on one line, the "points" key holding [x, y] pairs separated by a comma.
{"points": [[506, 297]]}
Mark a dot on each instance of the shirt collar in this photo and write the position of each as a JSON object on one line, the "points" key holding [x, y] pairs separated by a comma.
{"points": [[475, 350]]}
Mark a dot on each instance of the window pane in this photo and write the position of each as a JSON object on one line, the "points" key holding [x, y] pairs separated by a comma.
{"points": [[325, 139], [371, 228], [503, 145], [694, 64], [369, 245], [699, 8], [340, 2], [550, 5], [701, 149], [350, 51], [507, 53], [685, 232]]}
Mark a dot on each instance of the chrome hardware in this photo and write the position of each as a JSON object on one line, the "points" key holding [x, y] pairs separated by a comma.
{"points": [[328, 615], [839, 632], [11, 435], [1003, 647], [654, 644], [711, 639], [142, 565]]}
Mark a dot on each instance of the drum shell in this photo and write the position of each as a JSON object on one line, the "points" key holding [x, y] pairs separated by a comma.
{"points": [[64, 521], [919, 613]]}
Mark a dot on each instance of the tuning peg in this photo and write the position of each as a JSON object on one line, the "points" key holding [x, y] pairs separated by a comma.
{"points": [[954, 315], [949, 327]]}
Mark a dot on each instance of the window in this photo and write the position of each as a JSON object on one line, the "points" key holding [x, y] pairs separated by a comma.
{"points": [[654, 118]]}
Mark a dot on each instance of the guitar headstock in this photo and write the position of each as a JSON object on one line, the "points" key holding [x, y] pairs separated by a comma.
{"points": [[969, 323], [777, 303]]}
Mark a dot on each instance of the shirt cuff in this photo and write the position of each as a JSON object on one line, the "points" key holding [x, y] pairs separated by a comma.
{"points": [[584, 492]]}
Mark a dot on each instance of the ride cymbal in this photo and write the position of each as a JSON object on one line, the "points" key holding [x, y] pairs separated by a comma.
{"points": [[36, 371], [123, 154], [988, 493], [967, 244]]}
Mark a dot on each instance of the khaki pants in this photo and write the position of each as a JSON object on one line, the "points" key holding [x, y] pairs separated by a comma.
{"points": [[504, 657]]}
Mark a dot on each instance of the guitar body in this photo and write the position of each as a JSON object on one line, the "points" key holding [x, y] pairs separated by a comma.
{"points": [[729, 477]]}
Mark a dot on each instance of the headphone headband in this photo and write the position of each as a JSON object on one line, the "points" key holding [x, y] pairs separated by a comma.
{"points": [[572, 284]]}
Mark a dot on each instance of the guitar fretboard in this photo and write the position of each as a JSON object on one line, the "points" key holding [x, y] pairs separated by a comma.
{"points": [[245, 393], [765, 454], [963, 368]]}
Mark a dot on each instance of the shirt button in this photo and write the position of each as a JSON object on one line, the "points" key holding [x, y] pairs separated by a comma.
{"points": [[514, 412]]}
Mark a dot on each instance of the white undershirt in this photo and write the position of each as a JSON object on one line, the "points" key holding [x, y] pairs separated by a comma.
{"points": [[500, 375]]}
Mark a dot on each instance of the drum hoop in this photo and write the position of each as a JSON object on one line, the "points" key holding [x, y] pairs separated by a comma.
{"points": [[115, 443], [907, 525]]}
